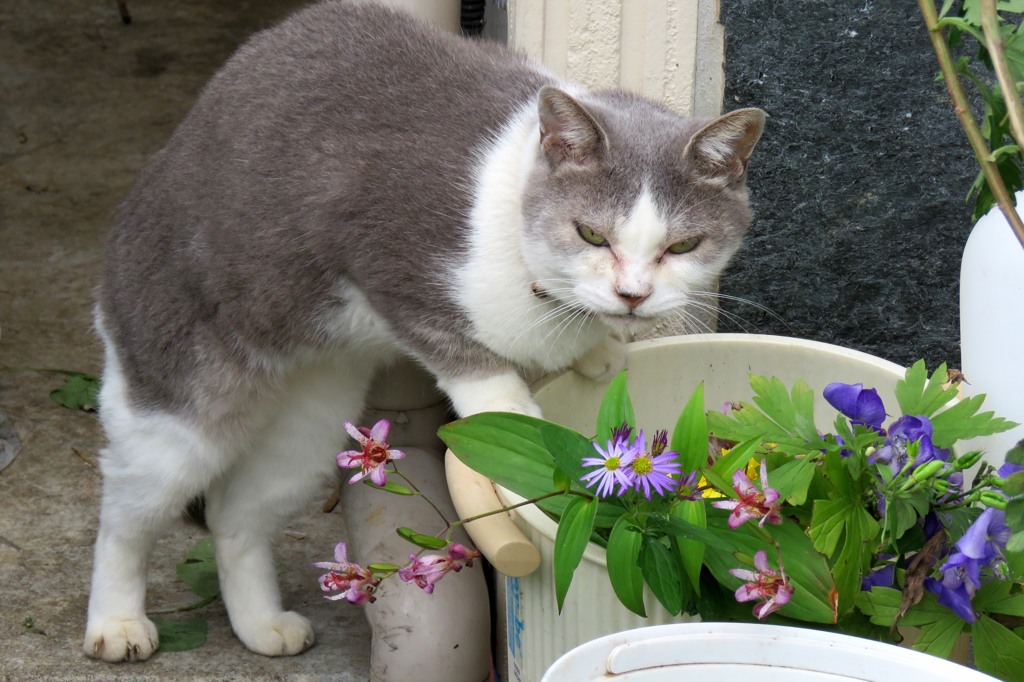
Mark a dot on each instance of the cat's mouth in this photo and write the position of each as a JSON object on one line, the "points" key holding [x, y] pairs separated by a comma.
{"points": [[628, 321]]}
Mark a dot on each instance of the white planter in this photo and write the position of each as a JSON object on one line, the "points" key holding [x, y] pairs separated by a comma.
{"points": [[992, 326], [742, 652], [662, 375]]}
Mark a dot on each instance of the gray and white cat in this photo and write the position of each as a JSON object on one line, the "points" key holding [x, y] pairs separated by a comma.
{"points": [[353, 187]]}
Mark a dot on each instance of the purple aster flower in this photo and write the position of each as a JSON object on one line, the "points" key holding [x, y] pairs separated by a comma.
{"points": [[654, 469], [860, 405], [774, 588], [753, 503], [612, 466], [689, 487]]}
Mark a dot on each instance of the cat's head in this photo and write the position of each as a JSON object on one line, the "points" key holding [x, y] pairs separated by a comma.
{"points": [[631, 209]]}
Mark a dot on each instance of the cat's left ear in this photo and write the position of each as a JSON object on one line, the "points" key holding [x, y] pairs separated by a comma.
{"points": [[568, 133], [721, 150]]}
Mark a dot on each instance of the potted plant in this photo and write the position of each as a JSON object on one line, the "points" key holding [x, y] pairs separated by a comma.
{"points": [[797, 497]]}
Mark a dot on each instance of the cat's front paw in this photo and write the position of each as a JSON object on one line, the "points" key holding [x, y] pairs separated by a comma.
{"points": [[283, 634], [603, 361], [115, 640]]}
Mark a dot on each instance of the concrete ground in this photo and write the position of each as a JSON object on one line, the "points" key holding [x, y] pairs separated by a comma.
{"points": [[84, 100]]}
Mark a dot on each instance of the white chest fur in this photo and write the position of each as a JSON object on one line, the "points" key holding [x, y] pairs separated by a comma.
{"points": [[494, 284]]}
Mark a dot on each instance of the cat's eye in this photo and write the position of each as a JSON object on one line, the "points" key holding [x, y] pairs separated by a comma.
{"points": [[684, 246], [591, 236]]}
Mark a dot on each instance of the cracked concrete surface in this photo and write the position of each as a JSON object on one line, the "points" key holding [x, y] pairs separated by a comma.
{"points": [[84, 101]]}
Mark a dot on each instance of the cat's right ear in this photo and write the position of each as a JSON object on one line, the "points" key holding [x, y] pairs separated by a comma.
{"points": [[568, 133], [721, 150]]}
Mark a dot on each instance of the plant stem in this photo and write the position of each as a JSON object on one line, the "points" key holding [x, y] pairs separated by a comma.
{"points": [[963, 112], [419, 493], [994, 43], [502, 510]]}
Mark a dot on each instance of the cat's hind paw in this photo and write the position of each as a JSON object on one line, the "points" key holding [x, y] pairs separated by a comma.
{"points": [[604, 361], [283, 634], [114, 640]]}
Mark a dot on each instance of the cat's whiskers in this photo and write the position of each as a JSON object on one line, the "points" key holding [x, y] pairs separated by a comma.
{"points": [[739, 299]]}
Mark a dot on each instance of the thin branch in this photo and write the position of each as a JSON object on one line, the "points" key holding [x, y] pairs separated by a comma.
{"points": [[994, 43], [982, 153]]}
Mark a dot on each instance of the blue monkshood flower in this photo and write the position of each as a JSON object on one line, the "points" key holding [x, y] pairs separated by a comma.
{"points": [[985, 539], [957, 586], [904, 431], [613, 465], [981, 544], [860, 405], [883, 577], [1009, 469]]}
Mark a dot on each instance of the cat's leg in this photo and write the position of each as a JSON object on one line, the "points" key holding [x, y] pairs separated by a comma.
{"points": [[604, 361], [503, 392], [154, 465], [282, 470]]}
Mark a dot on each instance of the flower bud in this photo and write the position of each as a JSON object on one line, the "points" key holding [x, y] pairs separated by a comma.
{"points": [[991, 498], [968, 460], [923, 473]]}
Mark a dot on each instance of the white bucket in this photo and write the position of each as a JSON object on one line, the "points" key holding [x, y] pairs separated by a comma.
{"points": [[662, 375], [742, 652]]}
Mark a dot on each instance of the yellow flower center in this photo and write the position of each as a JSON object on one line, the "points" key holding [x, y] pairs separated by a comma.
{"points": [[611, 464], [642, 465]]}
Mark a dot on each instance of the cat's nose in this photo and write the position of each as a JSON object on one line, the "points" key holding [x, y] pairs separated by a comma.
{"points": [[632, 298]]}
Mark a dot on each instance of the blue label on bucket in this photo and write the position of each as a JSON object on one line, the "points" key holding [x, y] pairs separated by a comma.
{"points": [[514, 627]]}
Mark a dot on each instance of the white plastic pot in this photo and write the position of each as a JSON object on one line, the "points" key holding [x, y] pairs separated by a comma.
{"points": [[742, 652], [662, 375]]}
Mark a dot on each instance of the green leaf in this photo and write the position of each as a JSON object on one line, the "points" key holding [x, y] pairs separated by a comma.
{"points": [[690, 436], [691, 552], [828, 522], [624, 566], [574, 531], [962, 421], [180, 634], [661, 570], [79, 392], [792, 479], [383, 567], [738, 458], [568, 448], [917, 394], [421, 539], [997, 650], [939, 637], [882, 603], [506, 448], [995, 597], [199, 570], [390, 487], [616, 408]]}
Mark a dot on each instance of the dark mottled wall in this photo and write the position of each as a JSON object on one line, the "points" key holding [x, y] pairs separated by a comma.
{"points": [[858, 184]]}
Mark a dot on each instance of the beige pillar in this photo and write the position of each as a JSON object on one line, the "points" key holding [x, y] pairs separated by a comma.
{"points": [[669, 50]]}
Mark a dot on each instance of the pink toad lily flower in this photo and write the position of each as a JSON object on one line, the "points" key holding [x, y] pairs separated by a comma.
{"points": [[351, 581], [774, 588], [753, 503], [425, 571], [375, 454]]}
